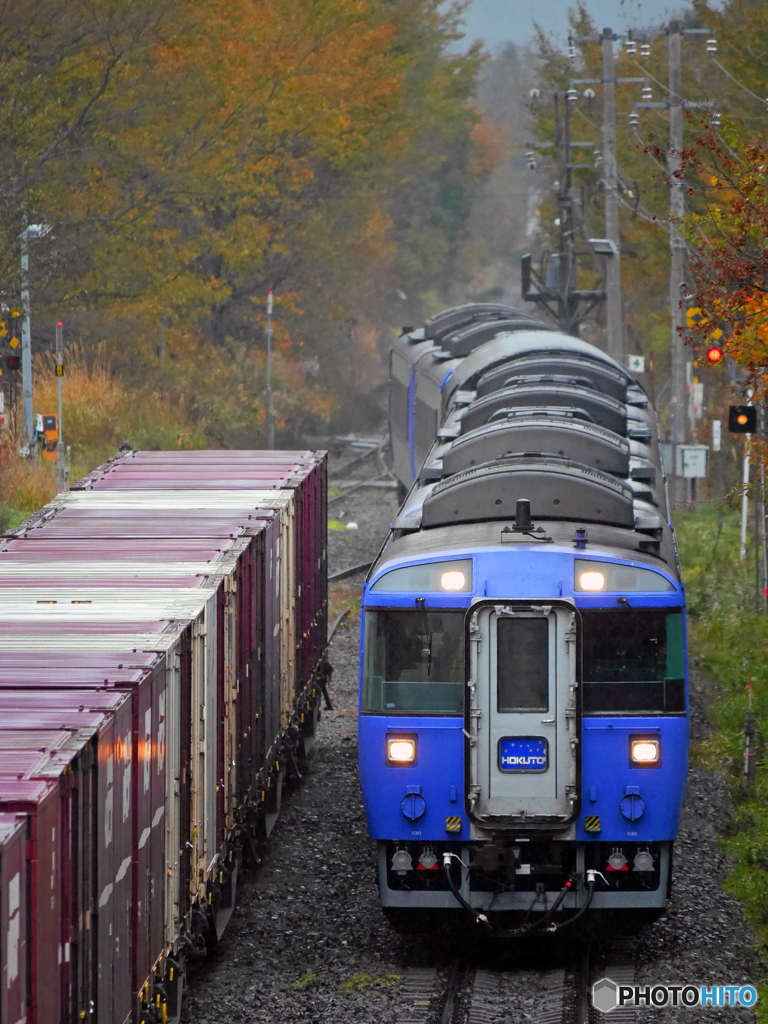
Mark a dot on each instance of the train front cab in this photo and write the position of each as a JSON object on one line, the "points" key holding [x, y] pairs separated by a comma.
{"points": [[531, 738]]}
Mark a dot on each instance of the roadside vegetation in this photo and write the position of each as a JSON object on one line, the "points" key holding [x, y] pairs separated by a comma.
{"points": [[729, 638]]}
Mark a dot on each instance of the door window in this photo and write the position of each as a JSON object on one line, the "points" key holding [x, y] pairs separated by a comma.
{"points": [[522, 664]]}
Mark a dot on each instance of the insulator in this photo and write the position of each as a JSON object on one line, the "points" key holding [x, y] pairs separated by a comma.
{"points": [[711, 46], [571, 95], [589, 94], [534, 94], [572, 53], [631, 47], [645, 50], [634, 120], [716, 118], [647, 93]]}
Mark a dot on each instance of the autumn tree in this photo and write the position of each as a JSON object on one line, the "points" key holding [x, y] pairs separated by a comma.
{"points": [[190, 155]]}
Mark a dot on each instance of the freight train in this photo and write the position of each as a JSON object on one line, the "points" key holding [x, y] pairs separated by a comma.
{"points": [[162, 657], [523, 730]]}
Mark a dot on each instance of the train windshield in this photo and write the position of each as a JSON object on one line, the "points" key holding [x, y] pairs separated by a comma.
{"points": [[633, 661], [413, 662]]}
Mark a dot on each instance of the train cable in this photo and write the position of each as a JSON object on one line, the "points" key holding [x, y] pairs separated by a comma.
{"points": [[545, 924]]}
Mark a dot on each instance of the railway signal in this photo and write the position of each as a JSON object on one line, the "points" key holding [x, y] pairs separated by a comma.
{"points": [[742, 419], [714, 354]]}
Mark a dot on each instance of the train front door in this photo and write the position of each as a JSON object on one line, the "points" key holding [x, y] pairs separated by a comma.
{"points": [[523, 727]]}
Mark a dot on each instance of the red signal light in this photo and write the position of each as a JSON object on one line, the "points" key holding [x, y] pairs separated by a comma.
{"points": [[714, 354]]}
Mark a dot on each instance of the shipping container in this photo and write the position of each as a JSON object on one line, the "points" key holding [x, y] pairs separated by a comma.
{"points": [[13, 917]]}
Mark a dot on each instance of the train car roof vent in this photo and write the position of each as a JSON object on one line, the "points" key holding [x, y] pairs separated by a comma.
{"points": [[448, 433], [604, 410], [450, 320], [556, 488], [409, 523], [548, 378], [652, 528], [552, 410], [642, 434], [416, 337]]}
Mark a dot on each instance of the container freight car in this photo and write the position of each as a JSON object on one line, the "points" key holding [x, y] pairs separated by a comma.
{"points": [[162, 657]]}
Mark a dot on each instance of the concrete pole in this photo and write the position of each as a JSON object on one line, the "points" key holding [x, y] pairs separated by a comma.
{"points": [[270, 418], [677, 253], [61, 471], [744, 502], [565, 206], [613, 307], [28, 438]]}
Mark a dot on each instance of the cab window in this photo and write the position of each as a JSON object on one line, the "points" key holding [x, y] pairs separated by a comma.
{"points": [[633, 661], [413, 662]]}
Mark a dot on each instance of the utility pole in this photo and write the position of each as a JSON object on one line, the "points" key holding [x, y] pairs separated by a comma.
{"points": [[565, 207], [270, 419], [677, 253], [613, 304], [61, 471], [555, 291], [28, 437]]}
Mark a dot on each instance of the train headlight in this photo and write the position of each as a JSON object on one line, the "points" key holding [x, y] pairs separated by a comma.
{"points": [[452, 580], [401, 749], [645, 751], [592, 581]]}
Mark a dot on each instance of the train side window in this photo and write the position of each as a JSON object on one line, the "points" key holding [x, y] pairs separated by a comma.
{"points": [[522, 664], [413, 662], [633, 661]]}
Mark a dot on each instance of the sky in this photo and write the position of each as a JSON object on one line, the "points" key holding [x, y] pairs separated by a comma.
{"points": [[498, 22]]}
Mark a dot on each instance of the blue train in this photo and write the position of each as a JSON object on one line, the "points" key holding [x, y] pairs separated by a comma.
{"points": [[523, 729]]}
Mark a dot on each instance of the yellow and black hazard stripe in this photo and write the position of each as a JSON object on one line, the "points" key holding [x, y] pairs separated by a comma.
{"points": [[592, 823], [453, 824]]}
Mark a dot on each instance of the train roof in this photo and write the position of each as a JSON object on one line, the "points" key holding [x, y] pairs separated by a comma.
{"points": [[522, 411]]}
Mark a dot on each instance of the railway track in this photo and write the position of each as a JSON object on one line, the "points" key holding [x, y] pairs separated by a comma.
{"points": [[466, 994]]}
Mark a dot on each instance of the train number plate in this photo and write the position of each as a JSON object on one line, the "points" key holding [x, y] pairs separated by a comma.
{"points": [[523, 754]]}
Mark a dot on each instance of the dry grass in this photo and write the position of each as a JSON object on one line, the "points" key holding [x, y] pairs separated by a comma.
{"points": [[99, 411], [24, 487]]}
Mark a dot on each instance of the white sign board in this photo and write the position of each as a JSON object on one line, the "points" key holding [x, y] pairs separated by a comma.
{"points": [[697, 391], [717, 435], [636, 364], [692, 461]]}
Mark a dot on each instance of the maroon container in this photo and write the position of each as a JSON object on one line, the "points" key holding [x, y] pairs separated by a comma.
{"points": [[13, 917], [91, 761], [39, 802]]}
